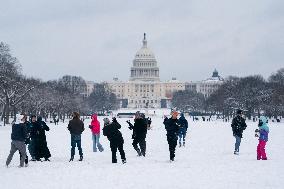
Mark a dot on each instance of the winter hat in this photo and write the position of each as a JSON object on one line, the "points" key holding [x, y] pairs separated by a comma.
{"points": [[106, 121], [264, 121], [239, 111]]}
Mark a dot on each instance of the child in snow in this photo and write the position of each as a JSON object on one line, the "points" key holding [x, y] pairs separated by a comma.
{"points": [[95, 128], [18, 136], [262, 133], [111, 131]]}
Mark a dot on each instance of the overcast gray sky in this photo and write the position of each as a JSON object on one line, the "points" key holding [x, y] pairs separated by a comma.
{"points": [[97, 39]]}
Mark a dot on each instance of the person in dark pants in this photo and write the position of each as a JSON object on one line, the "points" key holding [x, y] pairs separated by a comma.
{"points": [[182, 130], [139, 133], [18, 136], [238, 126], [111, 131], [27, 140], [172, 126], [31, 147], [76, 128], [39, 144]]}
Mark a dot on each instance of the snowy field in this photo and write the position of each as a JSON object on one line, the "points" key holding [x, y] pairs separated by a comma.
{"points": [[206, 162]]}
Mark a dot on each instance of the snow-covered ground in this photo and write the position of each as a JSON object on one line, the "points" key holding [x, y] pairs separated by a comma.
{"points": [[207, 161]]}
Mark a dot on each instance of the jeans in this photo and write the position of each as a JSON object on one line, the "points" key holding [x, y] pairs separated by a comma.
{"points": [[76, 140], [96, 143], [181, 136], [237, 143], [17, 145]]}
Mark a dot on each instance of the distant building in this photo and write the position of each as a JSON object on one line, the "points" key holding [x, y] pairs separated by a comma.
{"points": [[144, 88], [206, 87]]}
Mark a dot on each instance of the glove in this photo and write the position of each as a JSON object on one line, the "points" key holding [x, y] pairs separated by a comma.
{"points": [[149, 121], [130, 124], [114, 120], [90, 126]]}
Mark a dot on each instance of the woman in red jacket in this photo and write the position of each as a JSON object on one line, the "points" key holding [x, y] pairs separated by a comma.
{"points": [[95, 128]]}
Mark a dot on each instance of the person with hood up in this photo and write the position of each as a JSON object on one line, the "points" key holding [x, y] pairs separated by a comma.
{"points": [[76, 128], [182, 129], [238, 126], [111, 131], [40, 149], [262, 133], [172, 126], [18, 136], [95, 128]]}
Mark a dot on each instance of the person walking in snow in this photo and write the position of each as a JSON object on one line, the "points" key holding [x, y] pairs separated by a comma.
{"points": [[76, 128], [172, 126], [18, 136], [111, 131], [238, 126], [262, 133], [182, 130], [139, 133], [95, 128]]}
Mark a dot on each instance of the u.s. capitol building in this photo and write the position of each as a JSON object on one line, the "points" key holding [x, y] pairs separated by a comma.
{"points": [[145, 89]]}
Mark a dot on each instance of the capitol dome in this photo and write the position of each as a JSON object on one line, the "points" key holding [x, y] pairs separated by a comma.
{"points": [[144, 52], [144, 65]]}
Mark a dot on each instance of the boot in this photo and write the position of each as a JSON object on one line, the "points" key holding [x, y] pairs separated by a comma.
{"points": [[71, 159], [183, 144], [46, 159], [124, 161], [81, 158], [180, 144]]}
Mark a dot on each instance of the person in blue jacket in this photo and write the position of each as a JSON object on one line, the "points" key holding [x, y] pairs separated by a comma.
{"points": [[182, 129], [262, 133]]}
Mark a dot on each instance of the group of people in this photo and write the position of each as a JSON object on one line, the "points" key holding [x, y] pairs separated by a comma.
{"points": [[176, 128], [32, 133], [239, 125]]}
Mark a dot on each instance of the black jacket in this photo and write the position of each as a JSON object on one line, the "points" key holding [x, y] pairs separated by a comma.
{"points": [[38, 129], [183, 123], [140, 128], [76, 126], [112, 132], [238, 126], [172, 126], [19, 132]]}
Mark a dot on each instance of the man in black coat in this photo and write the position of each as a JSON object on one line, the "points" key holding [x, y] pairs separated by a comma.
{"points": [[139, 133], [76, 128], [172, 127], [238, 126], [18, 136], [111, 131]]}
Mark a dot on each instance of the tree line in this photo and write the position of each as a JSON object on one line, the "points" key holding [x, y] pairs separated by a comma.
{"points": [[60, 97], [253, 94]]}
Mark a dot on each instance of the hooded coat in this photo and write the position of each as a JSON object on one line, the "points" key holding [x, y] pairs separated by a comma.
{"points": [[264, 129], [95, 124]]}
